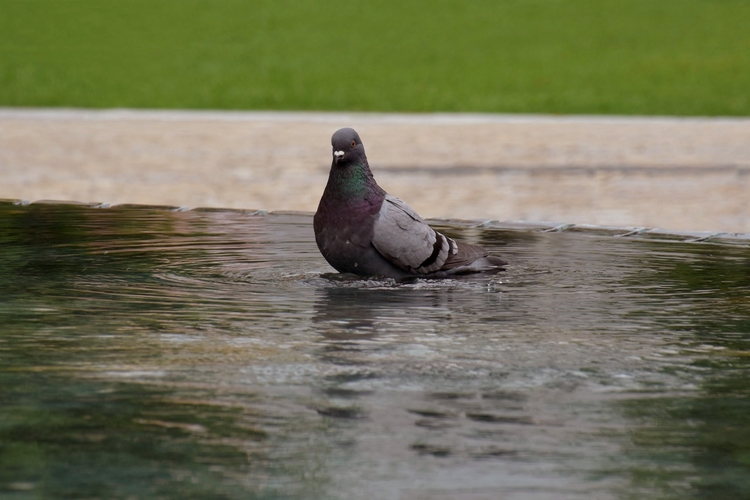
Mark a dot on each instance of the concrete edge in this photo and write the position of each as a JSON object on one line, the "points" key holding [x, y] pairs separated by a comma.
{"points": [[335, 117], [637, 233]]}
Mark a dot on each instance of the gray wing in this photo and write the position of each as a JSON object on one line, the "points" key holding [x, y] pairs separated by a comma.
{"points": [[402, 237]]}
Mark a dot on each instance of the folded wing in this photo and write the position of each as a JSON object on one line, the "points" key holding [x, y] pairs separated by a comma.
{"points": [[402, 237]]}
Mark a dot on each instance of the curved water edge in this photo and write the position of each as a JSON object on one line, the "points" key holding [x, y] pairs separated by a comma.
{"points": [[184, 353]]}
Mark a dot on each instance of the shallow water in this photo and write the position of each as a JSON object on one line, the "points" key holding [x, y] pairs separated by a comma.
{"points": [[148, 353]]}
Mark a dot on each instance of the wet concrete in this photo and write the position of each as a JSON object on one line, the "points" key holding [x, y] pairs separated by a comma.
{"points": [[679, 174]]}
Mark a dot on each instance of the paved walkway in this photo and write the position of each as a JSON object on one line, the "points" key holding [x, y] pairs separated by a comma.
{"points": [[679, 174]]}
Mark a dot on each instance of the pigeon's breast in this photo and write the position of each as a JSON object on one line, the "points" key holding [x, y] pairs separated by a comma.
{"points": [[344, 236]]}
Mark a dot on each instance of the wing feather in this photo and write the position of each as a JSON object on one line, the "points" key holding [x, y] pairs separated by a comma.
{"points": [[402, 237]]}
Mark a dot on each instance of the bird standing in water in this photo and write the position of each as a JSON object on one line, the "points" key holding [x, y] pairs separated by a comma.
{"points": [[361, 229]]}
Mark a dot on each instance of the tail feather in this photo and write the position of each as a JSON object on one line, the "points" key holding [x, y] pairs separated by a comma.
{"points": [[482, 264], [471, 256]]}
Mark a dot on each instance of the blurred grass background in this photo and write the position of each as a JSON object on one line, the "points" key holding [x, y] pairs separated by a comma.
{"points": [[665, 57]]}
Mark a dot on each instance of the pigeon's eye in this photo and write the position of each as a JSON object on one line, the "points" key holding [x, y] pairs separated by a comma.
{"points": [[354, 143]]}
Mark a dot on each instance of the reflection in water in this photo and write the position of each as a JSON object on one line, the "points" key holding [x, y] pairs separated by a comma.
{"points": [[149, 353]]}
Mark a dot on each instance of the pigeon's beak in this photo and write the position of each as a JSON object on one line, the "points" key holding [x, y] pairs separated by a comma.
{"points": [[337, 155]]}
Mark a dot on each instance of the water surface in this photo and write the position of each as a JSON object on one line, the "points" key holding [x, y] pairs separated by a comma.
{"points": [[149, 353]]}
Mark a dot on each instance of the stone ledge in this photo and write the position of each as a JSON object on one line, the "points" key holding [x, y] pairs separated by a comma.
{"points": [[690, 174]]}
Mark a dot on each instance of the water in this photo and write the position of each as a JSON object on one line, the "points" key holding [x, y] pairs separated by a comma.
{"points": [[148, 353]]}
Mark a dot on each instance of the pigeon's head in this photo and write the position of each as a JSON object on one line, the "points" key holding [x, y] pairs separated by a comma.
{"points": [[347, 146]]}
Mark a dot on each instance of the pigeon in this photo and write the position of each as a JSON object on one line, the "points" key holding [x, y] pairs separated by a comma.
{"points": [[361, 229]]}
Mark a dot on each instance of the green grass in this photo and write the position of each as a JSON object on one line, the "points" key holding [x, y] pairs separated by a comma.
{"points": [[666, 57]]}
